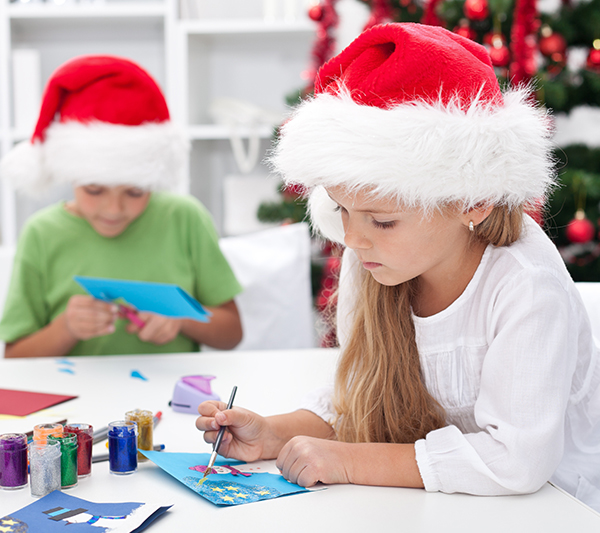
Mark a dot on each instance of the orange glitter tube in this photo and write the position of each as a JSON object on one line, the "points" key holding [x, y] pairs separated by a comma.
{"points": [[41, 432]]}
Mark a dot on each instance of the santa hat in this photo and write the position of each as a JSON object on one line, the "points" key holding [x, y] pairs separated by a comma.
{"points": [[415, 113], [103, 120]]}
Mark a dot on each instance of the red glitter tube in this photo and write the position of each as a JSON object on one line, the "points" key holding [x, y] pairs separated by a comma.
{"points": [[85, 436]]}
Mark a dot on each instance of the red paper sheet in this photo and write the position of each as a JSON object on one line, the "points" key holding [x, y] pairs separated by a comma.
{"points": [[22, 403]]}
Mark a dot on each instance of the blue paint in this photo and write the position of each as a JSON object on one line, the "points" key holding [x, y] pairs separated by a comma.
{"points": [[65, 362], [122, 447], [66, 370], [139, 375]]}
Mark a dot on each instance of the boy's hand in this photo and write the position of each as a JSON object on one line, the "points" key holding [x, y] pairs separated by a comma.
{"points": [[158, 329], [86, 317]]}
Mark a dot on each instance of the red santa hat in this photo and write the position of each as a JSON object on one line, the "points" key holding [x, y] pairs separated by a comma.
{"points": [[103, 120], [415, 112]]}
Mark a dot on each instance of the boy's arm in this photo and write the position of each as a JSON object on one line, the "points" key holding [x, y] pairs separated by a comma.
{"points": [[84, 318], [224, 331], [54, 340]]}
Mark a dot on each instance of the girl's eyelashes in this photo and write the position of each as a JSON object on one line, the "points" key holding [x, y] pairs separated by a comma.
{"points": [[384, 225], [380, 225]]}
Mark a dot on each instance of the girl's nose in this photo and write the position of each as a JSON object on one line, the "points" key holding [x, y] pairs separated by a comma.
{"points": [[355, 238]]}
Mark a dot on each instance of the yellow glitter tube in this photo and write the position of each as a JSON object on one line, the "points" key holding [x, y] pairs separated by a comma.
{"points": [[145, 422]]}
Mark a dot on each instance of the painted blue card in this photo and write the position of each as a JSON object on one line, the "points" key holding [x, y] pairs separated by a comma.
{"points": [[160, 298], [57, 510], [233, 483]]}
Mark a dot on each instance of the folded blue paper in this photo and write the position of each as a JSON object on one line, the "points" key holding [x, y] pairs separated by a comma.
{"points": [[160, 298]]}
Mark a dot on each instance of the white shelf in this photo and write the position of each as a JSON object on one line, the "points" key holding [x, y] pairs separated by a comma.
{"points": [[241, 26], [208, 132], [143, 10]]}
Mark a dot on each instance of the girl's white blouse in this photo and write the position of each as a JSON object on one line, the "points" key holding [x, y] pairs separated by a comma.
{"points": [[514, 364]]}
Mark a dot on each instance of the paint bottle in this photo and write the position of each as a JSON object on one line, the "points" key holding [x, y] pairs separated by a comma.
{"points": [[13, 461], [85, 437], [68, 459], [44, 467], [145, 422], [42, 431], [122, 447]]}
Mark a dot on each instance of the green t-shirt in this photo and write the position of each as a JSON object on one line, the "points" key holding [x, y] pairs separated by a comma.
{"points": [[172, 241]]}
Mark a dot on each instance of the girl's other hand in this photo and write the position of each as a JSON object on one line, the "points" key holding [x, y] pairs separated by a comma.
{"points": [[307, 461], [157, 329], [86, 317], [247, 432]]}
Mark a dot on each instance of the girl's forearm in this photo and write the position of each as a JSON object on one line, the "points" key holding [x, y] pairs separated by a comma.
{"points": [[54, 340], [285, 427], [391, 465]]}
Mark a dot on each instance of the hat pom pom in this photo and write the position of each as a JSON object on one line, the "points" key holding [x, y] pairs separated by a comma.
{"points": [[324, 215], [22, 167]]}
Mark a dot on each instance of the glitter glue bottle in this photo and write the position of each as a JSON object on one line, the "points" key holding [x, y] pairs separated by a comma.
{"points": [[68, 459], [44, 467], [122, 447], [42, 431], [145, 422], [13, 461], [85, 437]]}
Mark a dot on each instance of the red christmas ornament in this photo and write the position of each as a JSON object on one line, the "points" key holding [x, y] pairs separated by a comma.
{"points": [[315, 12], [593, 59], [492, 37], [464, 30], [476, 9], [500, 55], [552, 44], [293, 191], [580, 229]]}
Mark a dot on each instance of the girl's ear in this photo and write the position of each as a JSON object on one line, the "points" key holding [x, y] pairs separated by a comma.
{"points": [[477, 214]]}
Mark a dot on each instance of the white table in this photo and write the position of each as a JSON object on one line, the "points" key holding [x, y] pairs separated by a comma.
{"points": [[268, 382]]}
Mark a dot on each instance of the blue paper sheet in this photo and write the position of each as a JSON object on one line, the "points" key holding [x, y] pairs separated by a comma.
{"points": [[58, 511], [160, 298], [233, 488]]}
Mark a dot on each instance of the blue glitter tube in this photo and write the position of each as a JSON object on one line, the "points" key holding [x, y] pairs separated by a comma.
{"points": [[122, 447]]}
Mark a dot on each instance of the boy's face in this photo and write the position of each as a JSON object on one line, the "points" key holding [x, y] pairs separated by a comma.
{"points": [[109, 210]]}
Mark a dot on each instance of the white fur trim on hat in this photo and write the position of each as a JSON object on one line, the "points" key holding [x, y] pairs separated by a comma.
{"points": [[149, 156], [424, 155]]}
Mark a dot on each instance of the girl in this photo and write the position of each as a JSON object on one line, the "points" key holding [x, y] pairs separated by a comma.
{"points": [[104, 128], [467, 360]]}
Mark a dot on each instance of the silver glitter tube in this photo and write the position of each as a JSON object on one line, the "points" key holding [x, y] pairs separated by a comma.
{"points": [[44, 467]]}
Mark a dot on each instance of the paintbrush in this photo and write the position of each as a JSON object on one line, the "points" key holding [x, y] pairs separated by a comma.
{"points": [[213, 455]]}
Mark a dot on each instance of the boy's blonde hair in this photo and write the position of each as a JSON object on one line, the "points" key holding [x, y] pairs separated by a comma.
{"points": [[379, 391]]}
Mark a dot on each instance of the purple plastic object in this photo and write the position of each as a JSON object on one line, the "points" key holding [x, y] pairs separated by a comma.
{"points": [[190, 392]]}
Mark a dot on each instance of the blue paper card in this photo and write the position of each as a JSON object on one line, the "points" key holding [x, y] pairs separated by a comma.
{"points": [[230, 485], [57, 510], [160, 298]]}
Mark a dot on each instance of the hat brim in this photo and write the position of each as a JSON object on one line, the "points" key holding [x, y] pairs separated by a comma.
{"points": [[424, 155], [149, 156]]}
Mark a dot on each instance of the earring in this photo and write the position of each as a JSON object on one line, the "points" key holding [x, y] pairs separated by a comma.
{"points": [[471, 226]]}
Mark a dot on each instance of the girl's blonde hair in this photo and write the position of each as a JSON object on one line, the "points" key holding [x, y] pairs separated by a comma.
{"points": [[379, 391]]}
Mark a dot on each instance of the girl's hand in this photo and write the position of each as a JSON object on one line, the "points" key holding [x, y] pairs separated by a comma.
{"points": [[247, 436], [158, 329], [86, 317], [307, 461]]}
